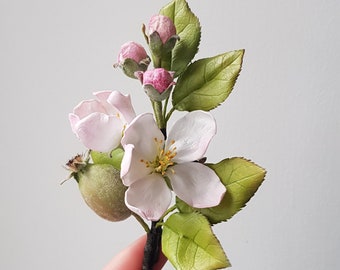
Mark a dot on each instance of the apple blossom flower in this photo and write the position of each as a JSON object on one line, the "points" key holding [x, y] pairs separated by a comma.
{"points": [[152, 166], [156, 83], [163, 25], [99, 123]]}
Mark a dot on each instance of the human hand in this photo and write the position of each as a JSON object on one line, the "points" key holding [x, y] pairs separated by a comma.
{"points": [[131, 258]]}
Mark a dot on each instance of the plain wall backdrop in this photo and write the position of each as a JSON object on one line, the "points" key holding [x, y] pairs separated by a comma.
{"points": [[283, 114]]}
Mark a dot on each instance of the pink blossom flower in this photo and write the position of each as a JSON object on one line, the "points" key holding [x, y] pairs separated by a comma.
{"points": [[163, 25], [99, 123], [152, 166], [132, 50]]}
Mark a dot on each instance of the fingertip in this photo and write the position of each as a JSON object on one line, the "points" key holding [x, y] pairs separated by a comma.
{"points": [[129, 258]]}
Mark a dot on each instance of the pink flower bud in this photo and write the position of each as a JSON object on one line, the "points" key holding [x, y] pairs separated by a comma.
{"points": [[133, 51], [159, 78], [163, 26]]}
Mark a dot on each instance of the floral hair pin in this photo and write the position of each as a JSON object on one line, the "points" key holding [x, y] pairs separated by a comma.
{"points": [[137, 165]]}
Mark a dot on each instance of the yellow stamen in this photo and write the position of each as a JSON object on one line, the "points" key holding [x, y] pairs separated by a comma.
{"points": [[163, 159]]}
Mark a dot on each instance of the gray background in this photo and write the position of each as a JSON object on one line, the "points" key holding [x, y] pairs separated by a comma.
{"points": [[283, 114]]}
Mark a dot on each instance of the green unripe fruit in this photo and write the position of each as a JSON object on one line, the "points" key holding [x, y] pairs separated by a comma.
{"points": [[103, 191]]}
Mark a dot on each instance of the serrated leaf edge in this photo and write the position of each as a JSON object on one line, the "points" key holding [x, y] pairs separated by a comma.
{"points": [[226, 262], [246, 202], [242, 52]]}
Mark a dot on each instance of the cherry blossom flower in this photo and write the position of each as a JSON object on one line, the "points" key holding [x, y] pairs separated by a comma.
{"points": [[152, 166], [99, 123]]}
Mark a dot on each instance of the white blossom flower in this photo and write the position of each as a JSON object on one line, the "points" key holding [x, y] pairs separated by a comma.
{"points": [[153, 166]]}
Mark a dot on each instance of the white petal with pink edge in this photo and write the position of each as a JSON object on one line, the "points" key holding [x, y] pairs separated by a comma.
{"points": [[149, 197], [144, 134], [132, 167], [196, 184], [191, 135]]}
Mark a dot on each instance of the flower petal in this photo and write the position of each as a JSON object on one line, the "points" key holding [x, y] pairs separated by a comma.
{"points": [[74, 119], [87, 107], [102, 95], [123, 104], [191, 136], [144, 134], [149, 197], [196, 184], [132, 168], [99, 131]]}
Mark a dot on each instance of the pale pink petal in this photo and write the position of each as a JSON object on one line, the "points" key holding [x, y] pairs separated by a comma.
{"points": [[191, 136], [149, 197], [133, 166], [102, 95], [196, 184], [100, 132], [123, 104], [74, 119], [87, 107], [144, 134]]}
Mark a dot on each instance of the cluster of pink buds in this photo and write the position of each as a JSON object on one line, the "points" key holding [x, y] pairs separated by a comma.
{"points": [[134, 60]]}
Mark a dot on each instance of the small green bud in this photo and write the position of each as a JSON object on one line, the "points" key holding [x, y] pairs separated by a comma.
{"points": [[102, 189]]}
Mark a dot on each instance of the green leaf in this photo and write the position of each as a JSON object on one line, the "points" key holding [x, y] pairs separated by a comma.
{"points": [[189, 31], [242, 178], [189, 243], [114, 158], [207, 82]]}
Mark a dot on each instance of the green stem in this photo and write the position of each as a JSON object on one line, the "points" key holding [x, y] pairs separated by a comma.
{"points": [[157, 108], [172, 208], [167, 117], [142, 222], [157, 62], [165, 107]]}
